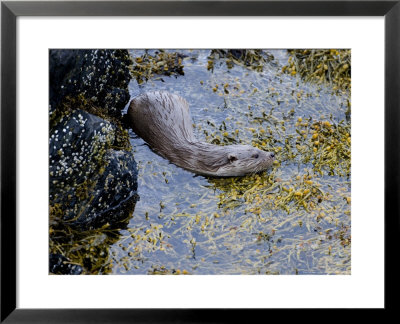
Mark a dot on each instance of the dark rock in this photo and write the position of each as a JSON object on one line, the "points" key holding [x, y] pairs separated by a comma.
{"points": [[101, 76], [90, 183], [237, 53], [93, 174], [59, 264]]}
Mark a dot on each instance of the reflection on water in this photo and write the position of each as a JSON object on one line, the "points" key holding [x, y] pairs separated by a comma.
{"points": [[293, 219]]}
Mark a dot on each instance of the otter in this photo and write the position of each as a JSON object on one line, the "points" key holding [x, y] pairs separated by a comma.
{"points": [[163, 121]]}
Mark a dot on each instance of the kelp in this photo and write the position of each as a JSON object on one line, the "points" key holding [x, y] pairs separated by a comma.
{"points": [[253, 59], [147, 66], [87, 248], [332, 66]]}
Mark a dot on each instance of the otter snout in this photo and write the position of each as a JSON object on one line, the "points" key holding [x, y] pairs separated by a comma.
{"points": [[268, 155], [268, 160]]}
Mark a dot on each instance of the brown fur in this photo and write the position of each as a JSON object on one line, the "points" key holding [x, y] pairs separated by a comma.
{"points": [[163, 120]]}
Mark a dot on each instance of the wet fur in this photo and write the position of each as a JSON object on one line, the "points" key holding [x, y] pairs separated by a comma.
{"points": [[163, 120]]}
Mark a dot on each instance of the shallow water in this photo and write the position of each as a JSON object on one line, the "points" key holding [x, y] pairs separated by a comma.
{"points": [[185, 223]]}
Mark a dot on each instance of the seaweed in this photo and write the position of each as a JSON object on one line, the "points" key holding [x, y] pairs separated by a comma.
{"points": [[332, 66], [147, 66], [253, 59]]}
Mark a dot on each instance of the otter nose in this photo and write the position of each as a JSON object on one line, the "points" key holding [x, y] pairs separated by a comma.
{"points": [[272, 154]]}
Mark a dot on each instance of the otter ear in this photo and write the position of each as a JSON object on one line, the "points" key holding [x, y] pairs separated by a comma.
{"points": [[232, 157]]}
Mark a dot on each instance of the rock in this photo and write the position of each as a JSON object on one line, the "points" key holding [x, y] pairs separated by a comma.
{"points": [[90, 182], [100, 76], [93, 174], [58, 264]]}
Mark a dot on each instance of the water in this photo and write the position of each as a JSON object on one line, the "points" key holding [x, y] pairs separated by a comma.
{"points": [[191, 224]]}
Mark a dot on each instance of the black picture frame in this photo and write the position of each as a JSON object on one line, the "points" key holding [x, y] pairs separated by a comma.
{"points": [[10, 10]]}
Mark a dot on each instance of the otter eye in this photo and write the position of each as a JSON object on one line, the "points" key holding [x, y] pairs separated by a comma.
{"points": [[255, 156], [232, 158]]}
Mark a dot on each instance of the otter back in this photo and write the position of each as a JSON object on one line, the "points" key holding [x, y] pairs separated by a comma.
{"points": [[161, 119]]}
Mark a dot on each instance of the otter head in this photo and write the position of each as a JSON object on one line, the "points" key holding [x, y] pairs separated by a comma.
{"points": [[244, 159]]}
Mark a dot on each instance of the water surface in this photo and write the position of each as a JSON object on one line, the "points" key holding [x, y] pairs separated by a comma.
{"points": [[191, 224]]}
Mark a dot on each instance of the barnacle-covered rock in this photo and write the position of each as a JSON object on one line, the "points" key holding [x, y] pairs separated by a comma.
{"points": [[101, 76], [90, 182], [59, 264]]}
